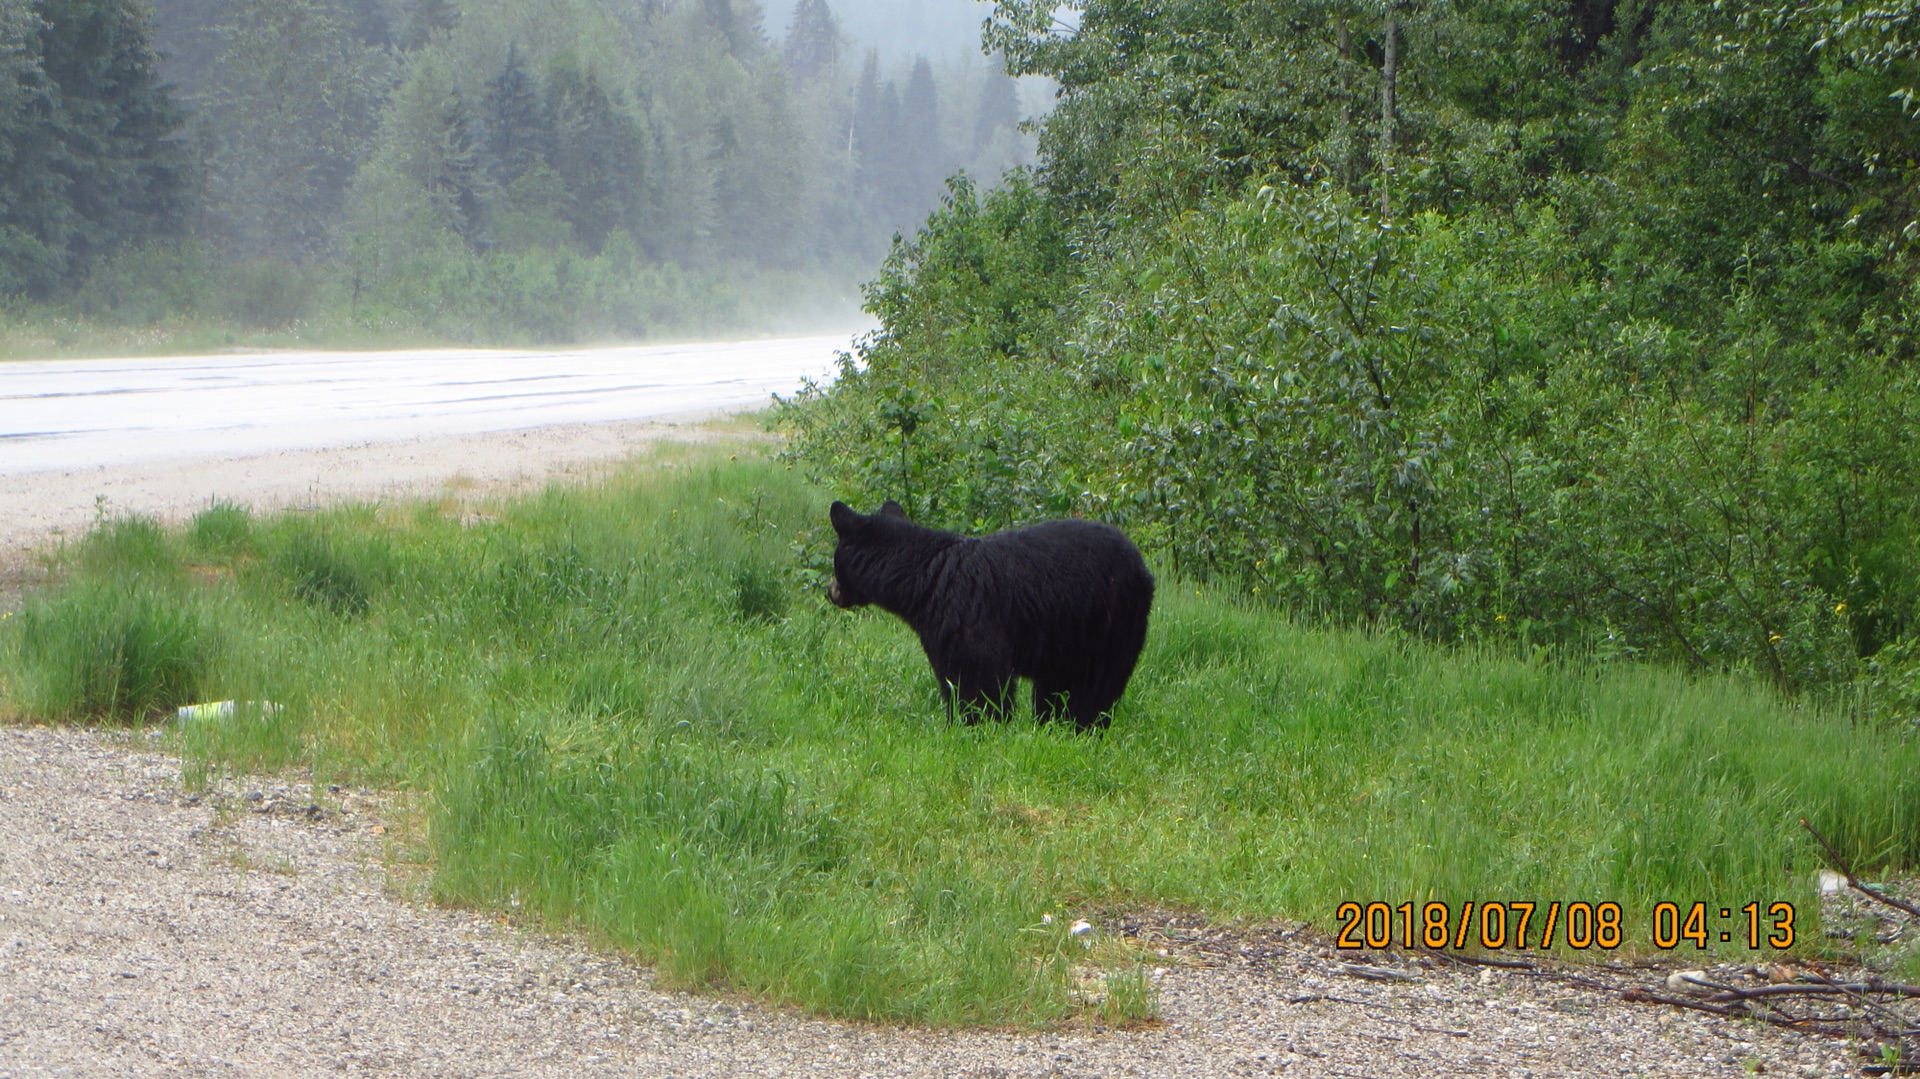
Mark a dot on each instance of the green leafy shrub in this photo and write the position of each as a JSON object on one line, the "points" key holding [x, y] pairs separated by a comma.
{"points": [[1892, 682], [1443, 423], [958, 407]]}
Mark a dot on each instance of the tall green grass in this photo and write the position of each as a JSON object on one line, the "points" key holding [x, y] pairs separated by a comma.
{"points": [[635, 713], [126, 639]]}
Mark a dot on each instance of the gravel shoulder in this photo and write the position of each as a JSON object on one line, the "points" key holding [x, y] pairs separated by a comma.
{"points": [[260, 929]]}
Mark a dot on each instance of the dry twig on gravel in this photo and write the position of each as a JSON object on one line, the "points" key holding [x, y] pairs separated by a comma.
{"points": [[1846, 870]]}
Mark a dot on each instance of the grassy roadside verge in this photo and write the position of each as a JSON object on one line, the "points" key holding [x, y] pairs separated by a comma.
{"points": [[633, 712]]}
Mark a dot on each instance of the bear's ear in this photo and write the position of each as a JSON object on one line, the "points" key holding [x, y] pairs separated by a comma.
{"points": [[843, 517], [893, 509]]}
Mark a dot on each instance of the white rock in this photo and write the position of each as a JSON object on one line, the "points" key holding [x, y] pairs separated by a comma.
{"points": [[1831, 882], [1688, 981]]}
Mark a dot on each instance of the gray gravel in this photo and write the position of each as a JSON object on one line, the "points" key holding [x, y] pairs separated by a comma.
{"points": [[251, 932]]}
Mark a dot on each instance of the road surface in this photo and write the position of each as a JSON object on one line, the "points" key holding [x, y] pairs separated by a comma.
{"points": [[165, 437], [68, 415]]}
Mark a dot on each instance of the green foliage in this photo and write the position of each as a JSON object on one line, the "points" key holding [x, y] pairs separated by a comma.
{"points": [[126, 547], [287, 117], [141, 286], [1893, 682], [88, 161], [759, 592], [1598, 339], [372, 168], [955, 393]]}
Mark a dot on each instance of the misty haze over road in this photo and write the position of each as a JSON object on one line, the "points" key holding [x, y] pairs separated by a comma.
{"points": [[76, 414]]}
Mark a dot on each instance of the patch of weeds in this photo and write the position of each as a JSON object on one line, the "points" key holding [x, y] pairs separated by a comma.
{"points": [[112, 650], [127, 546], [1130, 997], [323, 573], [757, 593], [254, 735], [222, 531], [240, 857]]}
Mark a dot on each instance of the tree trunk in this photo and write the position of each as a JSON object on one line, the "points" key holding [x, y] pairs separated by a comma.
{"points": [[1389, 108], [1347, 140]]}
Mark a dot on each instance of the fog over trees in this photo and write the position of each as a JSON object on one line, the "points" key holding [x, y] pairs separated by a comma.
{"points": [[933, 28], [473, 169]]}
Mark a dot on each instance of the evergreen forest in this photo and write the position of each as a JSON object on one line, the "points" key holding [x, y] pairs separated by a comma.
{"points": [[1576, 326], [482, 171]]}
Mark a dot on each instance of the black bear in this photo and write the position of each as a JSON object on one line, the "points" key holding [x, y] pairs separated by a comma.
{"points": [[1063, 603]]}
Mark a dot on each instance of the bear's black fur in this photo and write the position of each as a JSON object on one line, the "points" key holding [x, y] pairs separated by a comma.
{"points": [[1063, 603]]}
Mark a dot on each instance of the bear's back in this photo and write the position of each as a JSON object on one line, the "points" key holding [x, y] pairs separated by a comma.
{"points": [[1056, 575]]}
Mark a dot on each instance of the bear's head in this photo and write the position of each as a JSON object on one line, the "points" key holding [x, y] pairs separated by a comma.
{"points": [[864, 541]]}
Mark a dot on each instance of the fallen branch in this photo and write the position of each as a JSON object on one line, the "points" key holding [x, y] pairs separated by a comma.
{"points": [[1737, 1010], [1313, 998], [1378, 974], [1853, 882], [1824, 989], [1875, 1007], [1530, 969], [1481, 960]]}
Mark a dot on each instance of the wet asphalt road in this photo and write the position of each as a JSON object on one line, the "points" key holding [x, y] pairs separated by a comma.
{"points": [[75, 414]]}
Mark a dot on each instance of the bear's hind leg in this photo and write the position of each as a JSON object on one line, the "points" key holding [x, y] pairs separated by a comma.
{"points": [[1091, 711]]}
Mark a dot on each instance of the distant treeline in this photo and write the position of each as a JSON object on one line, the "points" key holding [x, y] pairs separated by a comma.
{"points": [[479, 169]]}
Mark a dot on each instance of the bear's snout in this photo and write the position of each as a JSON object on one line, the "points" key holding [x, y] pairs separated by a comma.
{"points": [[833, 592]]}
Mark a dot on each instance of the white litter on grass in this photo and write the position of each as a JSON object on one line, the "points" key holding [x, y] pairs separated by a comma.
{"points": [[1831, 882], [1082, 931], [227, 710]]}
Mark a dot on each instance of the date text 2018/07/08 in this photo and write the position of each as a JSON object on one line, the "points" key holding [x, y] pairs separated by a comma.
{"points": [[1521, 924]]}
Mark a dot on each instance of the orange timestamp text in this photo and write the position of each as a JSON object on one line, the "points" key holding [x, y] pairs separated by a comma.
{"points": [[1522, 924]]}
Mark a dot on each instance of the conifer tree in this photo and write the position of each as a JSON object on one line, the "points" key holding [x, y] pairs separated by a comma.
{"points": [[600, 156], [921, 157], [813, 41], [186, 35], [871, 137], [86, 131], [738, 24], [287, 122], [420, 20], [459, 178], [519, 127], [999, 107]]}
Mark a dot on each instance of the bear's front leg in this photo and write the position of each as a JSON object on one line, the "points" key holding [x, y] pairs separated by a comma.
{"points": [[969, 697], [974, 681]]}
